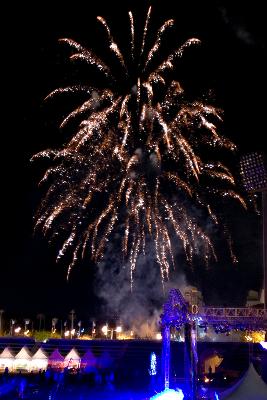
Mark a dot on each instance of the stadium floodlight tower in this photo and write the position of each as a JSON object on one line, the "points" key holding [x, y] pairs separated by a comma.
{"points": [[254, 175]]}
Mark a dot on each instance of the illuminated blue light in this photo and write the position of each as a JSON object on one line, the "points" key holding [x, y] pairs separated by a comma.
{"points": [[264, 345], [169, 394], [153, 364]]}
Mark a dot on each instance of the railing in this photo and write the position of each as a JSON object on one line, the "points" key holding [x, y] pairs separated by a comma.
{"points": [[252, 317], [244, 312]]}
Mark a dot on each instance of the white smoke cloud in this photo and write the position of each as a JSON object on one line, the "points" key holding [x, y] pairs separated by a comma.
{"points": [[139, 311]]}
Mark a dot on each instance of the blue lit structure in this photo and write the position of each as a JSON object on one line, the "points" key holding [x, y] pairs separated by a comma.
{"points": [[153, 364], [178, 313], [253, 169]]}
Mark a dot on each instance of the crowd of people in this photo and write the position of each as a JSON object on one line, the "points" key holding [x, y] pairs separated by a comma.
{"points": [[60, 383]]}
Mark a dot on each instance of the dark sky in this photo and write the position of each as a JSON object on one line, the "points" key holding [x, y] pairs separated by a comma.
{"points": [[231, 61]]}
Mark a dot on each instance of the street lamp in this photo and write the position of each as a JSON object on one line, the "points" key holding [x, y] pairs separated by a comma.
{"points": [[118, 330], [17, 330], [12, 323], [105, 329], [26, 323], [72, 333], [254, 175], [54, 322], [65, 328], [93, 329], [79, 325]]}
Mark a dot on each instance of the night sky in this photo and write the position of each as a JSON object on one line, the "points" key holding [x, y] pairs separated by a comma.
{"points": [[230, 61]]}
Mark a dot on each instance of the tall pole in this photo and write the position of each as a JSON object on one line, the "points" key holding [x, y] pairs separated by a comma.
{"points": [[26, 323], [72, 322], [190, 359], [79, 325], [12, 322], [166, 347], [1, 313], [264, 246]]}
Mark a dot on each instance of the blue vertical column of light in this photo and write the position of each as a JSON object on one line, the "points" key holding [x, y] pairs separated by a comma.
{"points": [[166, 348], [190, 357]]}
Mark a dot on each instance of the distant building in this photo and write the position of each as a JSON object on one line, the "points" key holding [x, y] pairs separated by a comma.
{"points": [[193, 296]]}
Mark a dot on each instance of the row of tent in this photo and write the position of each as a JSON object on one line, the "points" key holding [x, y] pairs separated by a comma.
{"points": [[40, 360]]}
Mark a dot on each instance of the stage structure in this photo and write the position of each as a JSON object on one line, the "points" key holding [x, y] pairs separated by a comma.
{"points": [[177, 313], [253, 169]]}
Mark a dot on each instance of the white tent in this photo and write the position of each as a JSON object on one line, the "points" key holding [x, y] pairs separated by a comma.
{"points": [[72, 359], [250, 387], [39, 360], [56, 360], [88, 361], [23, 360], [6, 359]]}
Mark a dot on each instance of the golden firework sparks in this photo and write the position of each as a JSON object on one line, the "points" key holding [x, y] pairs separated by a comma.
{"points": [[135, 160]]}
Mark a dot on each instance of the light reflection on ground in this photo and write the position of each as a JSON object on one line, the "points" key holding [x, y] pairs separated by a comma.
{"points": [[83, 392]]}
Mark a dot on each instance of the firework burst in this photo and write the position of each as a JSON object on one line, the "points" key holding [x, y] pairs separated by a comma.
{"points": [[134, 160]]}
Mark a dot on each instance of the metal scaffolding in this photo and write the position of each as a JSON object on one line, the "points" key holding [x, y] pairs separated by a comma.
{"points": [[178, 313]]}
